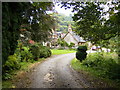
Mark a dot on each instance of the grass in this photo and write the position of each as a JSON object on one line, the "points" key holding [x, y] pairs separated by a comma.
{"points": [[97, 71], [57, 52], [77, 65], [7, 84], [25, 66]]}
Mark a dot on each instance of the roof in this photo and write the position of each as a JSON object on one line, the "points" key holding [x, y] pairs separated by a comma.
{"points": [[76, 37]]}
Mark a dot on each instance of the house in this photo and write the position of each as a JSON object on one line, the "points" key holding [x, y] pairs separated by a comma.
{"points": [[71, 37], [53, 38]]}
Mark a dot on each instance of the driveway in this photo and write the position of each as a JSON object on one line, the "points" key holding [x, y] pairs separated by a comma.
{"points": [[55, 72]]}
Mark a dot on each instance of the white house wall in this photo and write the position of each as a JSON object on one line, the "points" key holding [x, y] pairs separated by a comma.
{"points": [[69, 38]]}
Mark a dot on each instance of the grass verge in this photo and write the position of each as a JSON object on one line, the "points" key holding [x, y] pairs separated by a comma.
{"points": [[57, 52], [25, 67], [94, 74]]}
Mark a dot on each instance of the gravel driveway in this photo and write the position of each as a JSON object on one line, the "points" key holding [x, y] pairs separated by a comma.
{"points": [[55, 72]]}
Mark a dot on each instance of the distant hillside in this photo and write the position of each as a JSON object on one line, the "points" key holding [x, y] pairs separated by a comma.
{"points": [[63, 21]]}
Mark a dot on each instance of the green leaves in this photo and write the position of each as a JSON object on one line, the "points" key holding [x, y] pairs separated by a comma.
{"points": [[90, 21], [41, 22], [62, 22], [105, 63], [16, 14]]}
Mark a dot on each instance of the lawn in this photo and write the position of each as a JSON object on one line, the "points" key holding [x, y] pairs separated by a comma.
{"points": [[57, 52]]}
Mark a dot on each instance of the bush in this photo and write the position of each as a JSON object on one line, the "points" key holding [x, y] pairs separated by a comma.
{"points": [[18, 54], [82, 48], [108, 66], [11, 64], [93, 60], [45, 52], [113, 69], [35, 51], [23, 53], [26, 55], [81, 53], [71, 45], [40, 51], [62, 43]]}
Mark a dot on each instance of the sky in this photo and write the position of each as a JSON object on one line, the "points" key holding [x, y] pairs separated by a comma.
{"points": [[66, 12]]}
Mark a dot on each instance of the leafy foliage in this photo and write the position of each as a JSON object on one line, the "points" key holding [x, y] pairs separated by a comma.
{"points": [[81, 53], [108, 66], [71, 45], [28, 16], [45, 52], [63, 22], [11, 21], [35, 51], [39, 23], [82, 48], [26, 55], [11, 64], [62, 43], [40, 51], [90, 20]]}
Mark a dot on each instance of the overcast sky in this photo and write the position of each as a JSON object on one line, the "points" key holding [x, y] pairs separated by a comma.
{"points": [[66, 12]]}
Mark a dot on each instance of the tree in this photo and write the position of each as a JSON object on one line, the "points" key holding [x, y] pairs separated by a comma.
{"points": [[63, 22], [11, 21], [32, 16], [62, 43], [71, 45], [40, 22], [90, 21]]}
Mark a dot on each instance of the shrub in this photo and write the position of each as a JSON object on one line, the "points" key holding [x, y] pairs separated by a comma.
{"points": [[81, 53], [18, 54], [62, 43], [11, 64], [82, 48], [71, 45], [40, 51], [108, 66], [26, 54], [35, 51], [113, 69], [93, 60], [45, 52]]}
